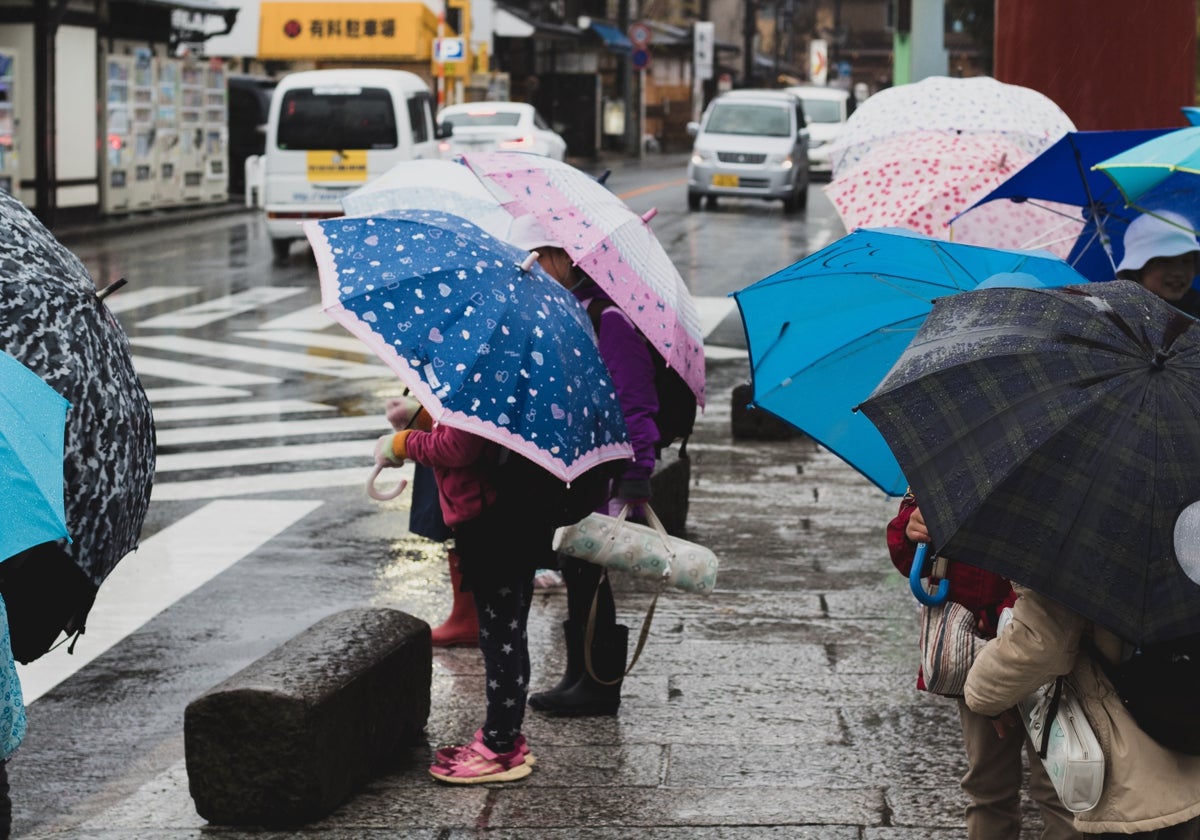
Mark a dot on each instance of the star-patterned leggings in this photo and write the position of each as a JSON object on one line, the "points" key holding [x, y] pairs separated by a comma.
{"points": [[503, 616]]}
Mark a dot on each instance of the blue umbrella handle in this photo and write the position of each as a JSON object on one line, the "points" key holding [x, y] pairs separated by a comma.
{"points": [[914, 580]]}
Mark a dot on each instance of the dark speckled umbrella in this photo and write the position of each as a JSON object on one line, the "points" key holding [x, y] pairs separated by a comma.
{"points": [[53, 321], [1053, 436]]}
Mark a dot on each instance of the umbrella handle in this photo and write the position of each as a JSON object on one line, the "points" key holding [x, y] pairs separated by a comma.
{"points": [[383, 495], [914, 580]]}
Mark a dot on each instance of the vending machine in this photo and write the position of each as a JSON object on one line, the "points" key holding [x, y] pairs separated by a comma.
{"points": [[10, 177], [116, 162], [191, 130], [168, 146], [143, 189], [216, 133]]}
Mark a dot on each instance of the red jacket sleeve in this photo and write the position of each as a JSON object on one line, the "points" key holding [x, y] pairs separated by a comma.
{"points": [[900, 547]]}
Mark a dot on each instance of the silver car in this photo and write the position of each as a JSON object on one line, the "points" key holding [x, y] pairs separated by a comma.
{"points": [[750, 144]]}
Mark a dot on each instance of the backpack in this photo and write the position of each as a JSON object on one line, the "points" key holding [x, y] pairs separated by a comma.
{"points": [[1160, 686], [676, 414], [539, 491]]}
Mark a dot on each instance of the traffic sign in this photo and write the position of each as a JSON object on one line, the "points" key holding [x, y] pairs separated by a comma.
{"points": [[449, 49], [639, 33], [640, 58]]}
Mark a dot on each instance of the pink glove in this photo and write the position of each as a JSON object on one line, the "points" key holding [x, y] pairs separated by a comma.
{"points": [[400, 411]]}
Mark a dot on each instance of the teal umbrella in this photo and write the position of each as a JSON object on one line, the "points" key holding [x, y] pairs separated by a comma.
{"points": [[32, 422], [1160, 174]]}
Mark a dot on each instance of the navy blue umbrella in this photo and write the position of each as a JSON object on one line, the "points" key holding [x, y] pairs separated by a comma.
{"points": [[1062, 174]]}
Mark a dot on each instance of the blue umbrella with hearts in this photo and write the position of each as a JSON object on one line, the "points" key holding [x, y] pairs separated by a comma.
{"points": [[486, 340]]}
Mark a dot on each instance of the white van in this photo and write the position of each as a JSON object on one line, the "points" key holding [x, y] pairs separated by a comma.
{"points": [[827, 109], [331, 131]]}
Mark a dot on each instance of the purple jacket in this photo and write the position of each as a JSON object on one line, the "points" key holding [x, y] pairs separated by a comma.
{"points": [[626, 354]]}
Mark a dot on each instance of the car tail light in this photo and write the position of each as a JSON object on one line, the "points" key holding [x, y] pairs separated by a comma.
{"points": [[517, 142]]}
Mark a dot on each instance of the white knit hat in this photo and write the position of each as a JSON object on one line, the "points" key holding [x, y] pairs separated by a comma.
{"points": [[1165, 234], [527, 233]]}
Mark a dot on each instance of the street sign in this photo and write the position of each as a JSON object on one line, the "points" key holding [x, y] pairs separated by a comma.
{"points": [[703, 41], [449, 49], [640, 58], [640, 34]]}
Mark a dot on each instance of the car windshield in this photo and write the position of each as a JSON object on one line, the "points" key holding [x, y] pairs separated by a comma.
{"points": [[823, 110], [747, 118], [478, 119], [315, 119]]}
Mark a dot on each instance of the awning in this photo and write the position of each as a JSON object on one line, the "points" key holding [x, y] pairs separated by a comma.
{"points": [[507, 25], [613, 38], [510, 22]]}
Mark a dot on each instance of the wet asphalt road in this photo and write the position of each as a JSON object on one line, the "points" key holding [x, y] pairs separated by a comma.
{"points": [[781, 706]]}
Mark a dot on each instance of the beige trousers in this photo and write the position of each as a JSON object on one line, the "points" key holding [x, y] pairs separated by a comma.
{"points": [[993, 783]]}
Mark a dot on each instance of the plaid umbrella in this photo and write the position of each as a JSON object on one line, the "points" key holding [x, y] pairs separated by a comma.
{"points": [[1052, 436]]}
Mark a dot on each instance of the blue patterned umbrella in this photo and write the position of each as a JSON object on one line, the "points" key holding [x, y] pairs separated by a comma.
{"points": [[485, 339]]}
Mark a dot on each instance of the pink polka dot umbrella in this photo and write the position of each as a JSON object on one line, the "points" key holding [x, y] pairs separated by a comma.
{"points": [[921, 180]]}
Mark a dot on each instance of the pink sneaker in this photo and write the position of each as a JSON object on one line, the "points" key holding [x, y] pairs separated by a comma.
{"points": [[476, 764], [445, 754]]}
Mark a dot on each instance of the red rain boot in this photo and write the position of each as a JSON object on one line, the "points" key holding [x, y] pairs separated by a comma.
{"points": [[462, 627]]}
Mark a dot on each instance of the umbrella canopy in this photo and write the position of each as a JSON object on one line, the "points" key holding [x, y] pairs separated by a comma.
{"points": [[1160, 174], [485, 339], [32, 421], [1061, 184], [52, 321], [1050, 436], [440, 185], [824, 331], [614, 245], [979, 105], [923, 180]]}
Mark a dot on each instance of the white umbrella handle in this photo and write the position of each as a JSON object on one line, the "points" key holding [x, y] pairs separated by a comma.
{"points": [[383, 495]]}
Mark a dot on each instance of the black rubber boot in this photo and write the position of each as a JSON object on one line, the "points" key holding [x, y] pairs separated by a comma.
{"points": [[5, 803], [543, 700], [587, 697]]}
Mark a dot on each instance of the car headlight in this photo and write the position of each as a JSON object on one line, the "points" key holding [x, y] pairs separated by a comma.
{"points": [[816, 144], [699, 158], [784, 162]]}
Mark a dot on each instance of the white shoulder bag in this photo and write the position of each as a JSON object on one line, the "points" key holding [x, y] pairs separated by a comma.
{"points": [[1069, 749]]}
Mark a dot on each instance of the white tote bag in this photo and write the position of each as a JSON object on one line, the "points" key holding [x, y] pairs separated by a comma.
{"points": [[645, 550]]}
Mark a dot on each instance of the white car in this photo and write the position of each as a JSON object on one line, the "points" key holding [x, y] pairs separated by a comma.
{"points": [[498, 127], [827, 109]]}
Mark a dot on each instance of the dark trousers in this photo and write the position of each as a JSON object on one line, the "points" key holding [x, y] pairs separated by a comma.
{"points": [[504, 642], [498, 553], [582, 579]]}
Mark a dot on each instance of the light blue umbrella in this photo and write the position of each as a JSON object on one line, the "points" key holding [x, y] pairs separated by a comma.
{"points": [[1160, 174], [484, 338], [823, 332], [32, 423]]}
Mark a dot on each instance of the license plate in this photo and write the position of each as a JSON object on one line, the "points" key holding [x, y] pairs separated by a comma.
{"points": [[725, 180]]}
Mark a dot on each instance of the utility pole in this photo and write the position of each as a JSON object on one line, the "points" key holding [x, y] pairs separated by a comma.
{"points": [[749, 31]]}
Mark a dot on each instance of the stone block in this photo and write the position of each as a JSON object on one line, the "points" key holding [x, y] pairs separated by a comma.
{"points": [[748, 423], [669, 485], [290, 737]]}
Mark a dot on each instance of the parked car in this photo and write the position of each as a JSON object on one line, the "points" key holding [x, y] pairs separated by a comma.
{"points": [[750, 144], [498, 127], [826, 109]]}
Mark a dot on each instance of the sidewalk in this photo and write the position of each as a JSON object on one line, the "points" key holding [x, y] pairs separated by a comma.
{"points": [[783, 706]]}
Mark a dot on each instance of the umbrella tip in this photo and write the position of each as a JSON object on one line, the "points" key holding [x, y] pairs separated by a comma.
{"points": [[650, 214], [110, 288], [527, 263]]}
